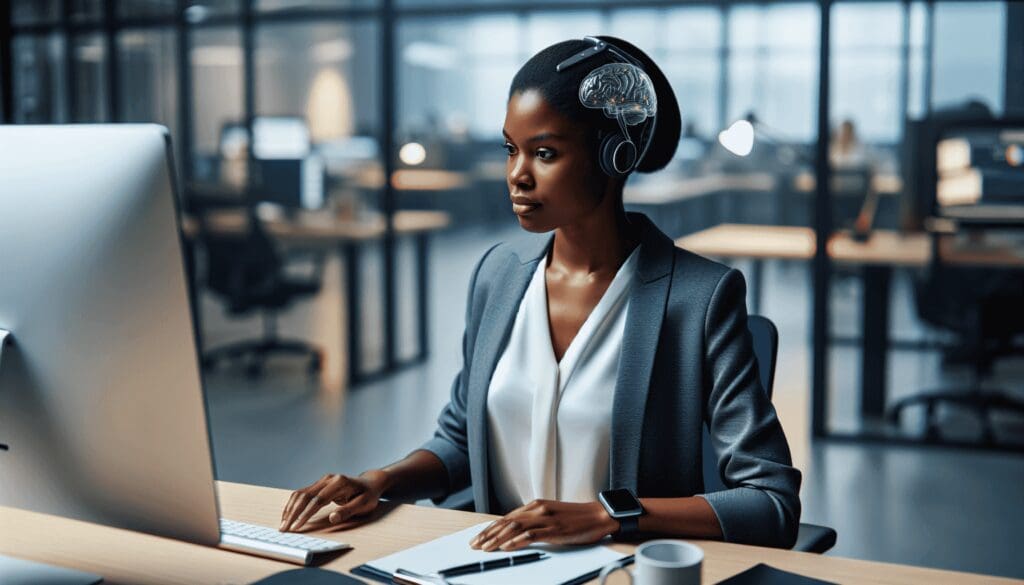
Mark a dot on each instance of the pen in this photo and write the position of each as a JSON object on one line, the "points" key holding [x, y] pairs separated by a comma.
{"points": [[481, 566]]}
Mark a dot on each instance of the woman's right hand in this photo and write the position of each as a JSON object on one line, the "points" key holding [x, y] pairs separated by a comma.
{"points": [[355, 496]]}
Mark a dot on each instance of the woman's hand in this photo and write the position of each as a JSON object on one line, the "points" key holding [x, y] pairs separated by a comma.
{"points": [[547, 521], [355, 496]]}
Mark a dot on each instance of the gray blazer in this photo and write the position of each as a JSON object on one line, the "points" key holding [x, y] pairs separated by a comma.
{"points": [[687, 361]]}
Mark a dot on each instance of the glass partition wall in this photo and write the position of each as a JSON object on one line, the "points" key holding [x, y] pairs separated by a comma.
{"points": [[900, 73], [829, 92]]}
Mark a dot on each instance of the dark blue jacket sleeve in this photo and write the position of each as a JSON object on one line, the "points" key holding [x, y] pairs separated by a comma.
{"points": [[449, 442], [761, 504]]}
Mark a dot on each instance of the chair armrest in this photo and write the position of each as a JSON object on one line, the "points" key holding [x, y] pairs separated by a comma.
{"points": [[814, 539], [460, 500]]}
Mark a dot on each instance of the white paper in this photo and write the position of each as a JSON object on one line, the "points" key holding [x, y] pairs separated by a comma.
{"points": [[564, 564]]}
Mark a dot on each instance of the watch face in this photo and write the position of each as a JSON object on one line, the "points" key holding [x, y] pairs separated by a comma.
{"points": [[621, 500]]}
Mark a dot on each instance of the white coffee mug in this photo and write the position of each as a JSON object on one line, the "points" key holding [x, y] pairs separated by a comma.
{"points": [[663, 562]]}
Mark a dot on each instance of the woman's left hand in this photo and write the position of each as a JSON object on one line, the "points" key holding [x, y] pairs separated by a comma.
{"points": [[547, 521]]}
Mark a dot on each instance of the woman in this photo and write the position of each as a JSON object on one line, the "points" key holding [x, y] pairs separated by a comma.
{"points": [[593, 357]]}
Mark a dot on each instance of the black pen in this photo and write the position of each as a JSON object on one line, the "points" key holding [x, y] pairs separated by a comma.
{"points": [[481, 566]]}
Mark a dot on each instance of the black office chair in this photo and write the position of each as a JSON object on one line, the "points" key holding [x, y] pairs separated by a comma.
{"points": [[811, 537], [248, 274], [982, 306], [851, 187]]}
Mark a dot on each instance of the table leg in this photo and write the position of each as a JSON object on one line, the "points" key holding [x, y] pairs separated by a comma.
{"points": [[875, 339], [352, 288], [423, 310]]}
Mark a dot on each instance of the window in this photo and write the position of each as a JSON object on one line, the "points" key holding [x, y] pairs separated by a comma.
{"points": [[90, 79], [217, 106], [773, 67], [453, 78], [39, 75], [969, 54], [311, 70], [867, 45], [149, 78], [25, 12]]}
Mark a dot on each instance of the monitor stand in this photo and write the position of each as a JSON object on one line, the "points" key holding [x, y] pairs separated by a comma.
{"points": [[20, 572]]}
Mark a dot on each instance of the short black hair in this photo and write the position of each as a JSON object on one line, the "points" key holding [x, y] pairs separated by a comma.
{"points": [[561, 91]]}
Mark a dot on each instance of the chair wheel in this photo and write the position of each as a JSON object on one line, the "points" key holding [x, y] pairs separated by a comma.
{"points": [[254, 369]]}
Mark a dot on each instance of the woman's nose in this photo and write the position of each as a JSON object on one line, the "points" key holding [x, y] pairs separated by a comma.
{"points": [[519, 176]]}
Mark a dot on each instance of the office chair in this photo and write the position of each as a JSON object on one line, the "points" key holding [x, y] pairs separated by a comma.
{"points": [[982, 306], [810, 537], [851, 189], [248, 274]]}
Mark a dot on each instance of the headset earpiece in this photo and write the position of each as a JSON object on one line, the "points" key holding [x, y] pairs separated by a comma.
{"points": [[617, 155]]}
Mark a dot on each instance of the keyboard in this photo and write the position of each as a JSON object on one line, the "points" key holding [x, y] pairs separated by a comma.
{"points": [[269, 542]]}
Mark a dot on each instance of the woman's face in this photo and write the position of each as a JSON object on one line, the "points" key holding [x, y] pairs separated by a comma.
{"points": [[551, 176]]}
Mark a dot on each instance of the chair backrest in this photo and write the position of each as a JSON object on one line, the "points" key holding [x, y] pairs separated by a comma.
{"points": [[241, 266], [765, 338], [970, 300]]}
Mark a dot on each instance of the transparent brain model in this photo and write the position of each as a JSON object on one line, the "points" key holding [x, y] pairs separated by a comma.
{"points": [[620, 89]]}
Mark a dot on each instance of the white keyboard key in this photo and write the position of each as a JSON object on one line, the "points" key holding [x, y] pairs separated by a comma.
{"points": [[286, 546]]}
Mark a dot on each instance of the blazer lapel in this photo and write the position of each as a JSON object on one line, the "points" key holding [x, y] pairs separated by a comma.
{"points": [[506, 291], [647, 303]]}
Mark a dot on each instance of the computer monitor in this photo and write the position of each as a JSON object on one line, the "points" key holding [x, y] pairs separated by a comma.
{"points": [[101, 401], [286, 171], [102, 412]]}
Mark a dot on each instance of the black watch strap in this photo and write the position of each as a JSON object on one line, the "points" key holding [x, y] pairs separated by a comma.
{"points": [[628, 526]]}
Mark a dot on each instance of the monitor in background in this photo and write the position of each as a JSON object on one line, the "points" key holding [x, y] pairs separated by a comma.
{"points": [[280, 137], [290, 183], [964, 165], [286, 170], [980, 170], [102, 410]]}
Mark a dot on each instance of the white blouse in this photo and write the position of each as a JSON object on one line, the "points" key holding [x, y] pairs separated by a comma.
{"points": [[550, 421]]}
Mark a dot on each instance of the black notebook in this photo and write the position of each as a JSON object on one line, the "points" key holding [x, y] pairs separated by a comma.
{"points": [[762, 574]]}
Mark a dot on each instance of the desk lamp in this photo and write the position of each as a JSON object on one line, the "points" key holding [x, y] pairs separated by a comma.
{"points": [[738, 139]]}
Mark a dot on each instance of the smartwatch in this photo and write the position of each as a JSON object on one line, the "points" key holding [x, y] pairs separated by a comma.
{"points": [[622, 505]]}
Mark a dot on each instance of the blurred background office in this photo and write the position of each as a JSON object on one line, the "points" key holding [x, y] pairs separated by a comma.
{"points": [[340, 170]]}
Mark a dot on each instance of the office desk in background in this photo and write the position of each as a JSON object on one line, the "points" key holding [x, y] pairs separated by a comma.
{"points": [[325, 229], [139, 559], [876, 258]]}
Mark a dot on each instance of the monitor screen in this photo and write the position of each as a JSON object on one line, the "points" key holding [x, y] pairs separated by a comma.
{"points": [[980, 166], [280, 138]]}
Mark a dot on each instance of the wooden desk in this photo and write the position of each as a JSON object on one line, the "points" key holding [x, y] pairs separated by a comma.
{"points": [[134, 558], [876, 257], [327, 229], [317, 227], [665, 191]]}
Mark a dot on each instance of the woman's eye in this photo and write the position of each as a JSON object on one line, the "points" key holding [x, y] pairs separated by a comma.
{"points": [[509, 148], [545, 153]]}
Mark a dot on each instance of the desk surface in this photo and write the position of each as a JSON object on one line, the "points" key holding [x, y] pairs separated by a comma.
{"points": [[128, 557], [797, 243], [319, 226]]}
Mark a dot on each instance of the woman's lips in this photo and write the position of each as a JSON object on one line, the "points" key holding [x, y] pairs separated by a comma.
{"points": [[523, 205], [524, 208]]}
